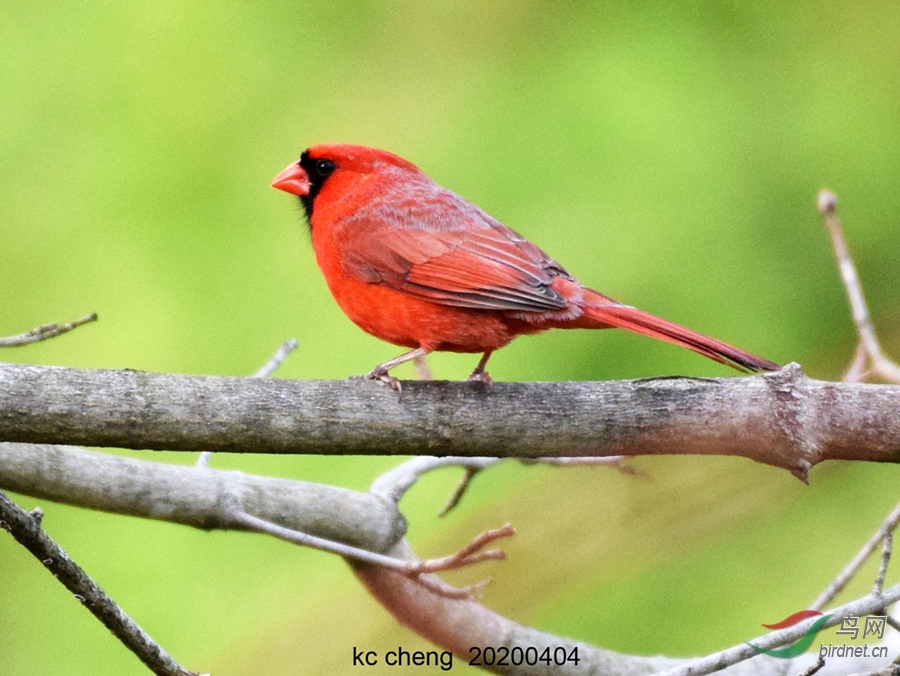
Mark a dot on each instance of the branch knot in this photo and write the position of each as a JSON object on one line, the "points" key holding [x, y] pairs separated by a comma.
{"points": [[790, 388]]}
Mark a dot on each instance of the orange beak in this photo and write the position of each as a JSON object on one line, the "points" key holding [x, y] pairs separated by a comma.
{"points": [[293, 179]]}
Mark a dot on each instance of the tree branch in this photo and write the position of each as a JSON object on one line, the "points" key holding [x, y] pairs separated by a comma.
{"points": [[867, 605], [868, 352], [26, 529], [282, 353], [197, 496], [45, 332], [846, 575], [782, 419], [208, 498]]}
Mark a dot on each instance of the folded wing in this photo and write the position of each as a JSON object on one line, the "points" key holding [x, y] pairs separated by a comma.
{"points": [[487, 266]]}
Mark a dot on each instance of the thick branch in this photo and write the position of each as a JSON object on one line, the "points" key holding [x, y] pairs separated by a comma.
{"points": [[197, 496], [460, 624], [782, 419]]}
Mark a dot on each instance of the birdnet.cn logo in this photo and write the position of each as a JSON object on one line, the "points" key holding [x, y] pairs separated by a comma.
{"points": [[873, 626]]}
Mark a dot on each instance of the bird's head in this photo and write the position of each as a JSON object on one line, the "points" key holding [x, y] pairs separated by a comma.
{"points": [[340, 166]]}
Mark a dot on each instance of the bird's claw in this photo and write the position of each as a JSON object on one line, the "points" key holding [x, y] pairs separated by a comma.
{"points": [[480, 377], [383, 376]]}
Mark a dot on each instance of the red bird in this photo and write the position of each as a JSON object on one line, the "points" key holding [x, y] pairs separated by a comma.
{"points": [[416, 265]]}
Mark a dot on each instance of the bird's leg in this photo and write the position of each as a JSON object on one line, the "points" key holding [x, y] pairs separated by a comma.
{"points": [[380, 372], [479, 374], [423, 370]]}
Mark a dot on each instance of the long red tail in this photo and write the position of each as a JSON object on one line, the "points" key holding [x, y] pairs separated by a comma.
{"points": [[625, 317]]}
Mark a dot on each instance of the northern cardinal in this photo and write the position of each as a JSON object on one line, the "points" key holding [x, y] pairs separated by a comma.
{"points": [[416, 265]]}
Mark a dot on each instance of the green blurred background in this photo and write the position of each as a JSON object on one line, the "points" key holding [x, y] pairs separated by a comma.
{"points": [[666, 155]]}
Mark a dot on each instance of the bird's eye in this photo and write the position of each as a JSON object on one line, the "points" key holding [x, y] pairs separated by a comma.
{"points": [[324, 167]]}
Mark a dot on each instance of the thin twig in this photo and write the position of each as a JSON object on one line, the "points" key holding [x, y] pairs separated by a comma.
{"points": [[888, 526], [874, 357], [26, 529], [858, 607], [866, 605], [45, 332], [575, 461], [858, 371], [820, 663], [267, 369], [461, 487], [277, 359], [414, 570], [254, 523], [882, 573], [883, 566], [394, 483], [470, 554], [437, 586]]}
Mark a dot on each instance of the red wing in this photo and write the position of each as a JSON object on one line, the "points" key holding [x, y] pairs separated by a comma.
{"points": [[488, 267]]}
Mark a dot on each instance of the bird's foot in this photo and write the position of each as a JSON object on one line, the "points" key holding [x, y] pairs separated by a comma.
{"points": [[381, 375], [479, 376]]}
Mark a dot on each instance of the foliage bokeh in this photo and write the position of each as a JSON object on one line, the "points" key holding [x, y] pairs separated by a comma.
{"points": [[666, 155]]}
